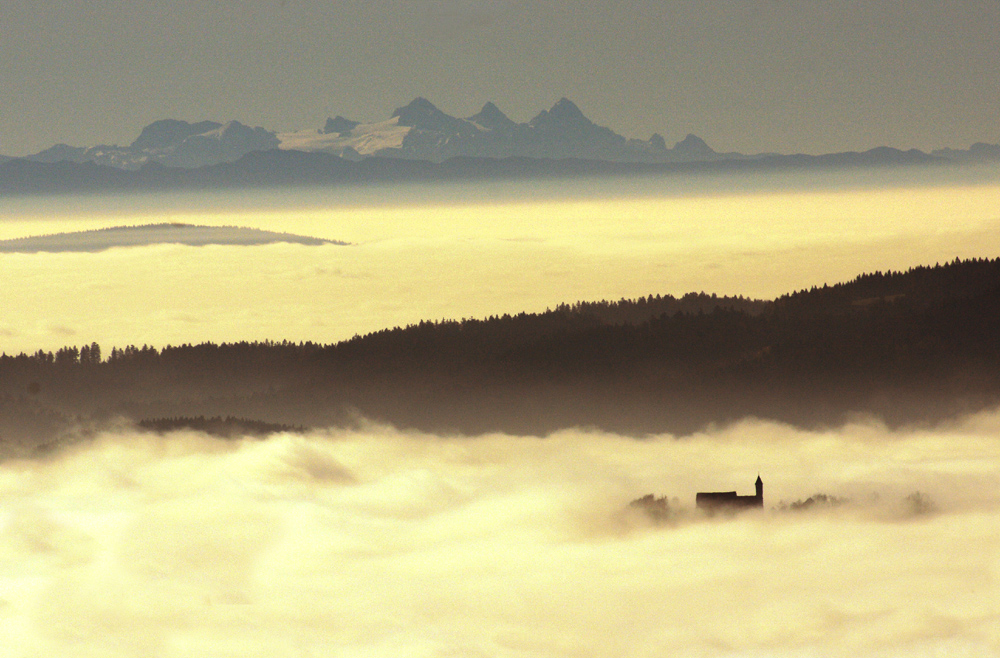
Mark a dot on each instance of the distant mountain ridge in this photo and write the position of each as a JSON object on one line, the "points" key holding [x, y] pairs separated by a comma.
{"points": [[419, 131], [418, 142], [287, 168], [171, 143]]}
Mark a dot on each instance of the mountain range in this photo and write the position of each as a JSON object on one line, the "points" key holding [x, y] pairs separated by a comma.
{"points": [[421, 131], [171, 143]]}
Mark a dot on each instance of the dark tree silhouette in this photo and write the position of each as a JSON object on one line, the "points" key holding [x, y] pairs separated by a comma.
{"points": [[922, 345]]}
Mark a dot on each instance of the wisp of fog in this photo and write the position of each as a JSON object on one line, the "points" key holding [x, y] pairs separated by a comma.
{"points": [[377, 542]]}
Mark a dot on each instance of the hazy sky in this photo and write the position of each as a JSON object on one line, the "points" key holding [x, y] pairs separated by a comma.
{"points": [[748, 75]]}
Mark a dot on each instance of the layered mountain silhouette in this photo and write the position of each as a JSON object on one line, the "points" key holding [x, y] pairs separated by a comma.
{"points": [[978, 152], [421, 131], [290, 168], [171, 143], [418, 142], [417, 131]]}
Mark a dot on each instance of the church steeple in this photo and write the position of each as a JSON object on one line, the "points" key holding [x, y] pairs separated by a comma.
{"points": [[760, 488]]}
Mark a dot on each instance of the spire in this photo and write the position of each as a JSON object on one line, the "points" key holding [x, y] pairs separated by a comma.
{"points": [[759, 484]]}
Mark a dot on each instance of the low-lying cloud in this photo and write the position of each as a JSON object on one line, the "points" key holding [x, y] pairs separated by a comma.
{"points": [[153, 234], [375, 542], [461, 252]]}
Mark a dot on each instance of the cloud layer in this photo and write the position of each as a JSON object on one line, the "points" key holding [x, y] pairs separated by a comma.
{"points": [[469, 255], [152, 234], [374, 542]]}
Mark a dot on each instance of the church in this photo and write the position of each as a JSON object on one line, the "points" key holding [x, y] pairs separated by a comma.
{"points": [[728, 500]]}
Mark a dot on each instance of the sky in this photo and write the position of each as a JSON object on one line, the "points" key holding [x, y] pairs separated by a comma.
{"points": [[746, 75]]}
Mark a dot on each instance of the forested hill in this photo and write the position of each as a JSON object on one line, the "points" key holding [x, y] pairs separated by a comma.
{"points": [[916, 346], [632, 311], [919, 287]]}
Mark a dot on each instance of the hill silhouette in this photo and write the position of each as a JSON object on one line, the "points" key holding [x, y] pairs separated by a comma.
{"points": [[915, 346], [291, 168], [417, 131]]}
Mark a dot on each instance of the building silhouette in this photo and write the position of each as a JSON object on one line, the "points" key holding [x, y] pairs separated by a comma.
{"points": [[728, 500]]}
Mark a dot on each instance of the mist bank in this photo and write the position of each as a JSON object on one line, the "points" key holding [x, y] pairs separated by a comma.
{"points": [[905, 347], [379, 542], [452, 251]]}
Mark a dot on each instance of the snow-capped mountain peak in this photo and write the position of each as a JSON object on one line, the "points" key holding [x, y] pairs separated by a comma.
{"points": [[169, 132], [417, 130], [420, 113]]}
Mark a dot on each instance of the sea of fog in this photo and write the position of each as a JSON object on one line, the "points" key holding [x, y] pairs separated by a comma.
{"points": [[373, 542], [472, 250]]}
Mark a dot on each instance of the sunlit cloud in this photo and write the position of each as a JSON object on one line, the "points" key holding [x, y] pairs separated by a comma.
{"points": [[368, 541], [443, 259]]}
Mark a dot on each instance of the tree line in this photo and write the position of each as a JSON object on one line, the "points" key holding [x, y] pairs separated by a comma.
{"points": [[917, 345]]}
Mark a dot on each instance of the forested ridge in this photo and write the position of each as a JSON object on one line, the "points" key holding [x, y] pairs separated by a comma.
{"points": [[915, 346]]}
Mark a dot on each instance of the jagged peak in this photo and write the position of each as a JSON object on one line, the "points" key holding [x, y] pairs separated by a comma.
{"points": [[418, 104], [492, 117], [491, 110], [566, 109], [657, 142], [693, 145], [421, 113], [169, 131]]}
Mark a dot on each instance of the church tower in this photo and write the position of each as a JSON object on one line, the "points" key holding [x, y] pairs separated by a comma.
{"points": [[760, 490]]}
